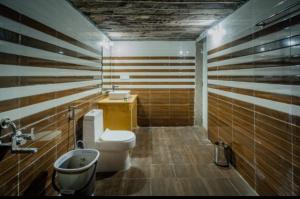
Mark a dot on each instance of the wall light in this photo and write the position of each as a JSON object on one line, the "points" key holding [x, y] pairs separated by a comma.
{"points": [[216, 33], [183, 53], [106, 44], [291, 42]]}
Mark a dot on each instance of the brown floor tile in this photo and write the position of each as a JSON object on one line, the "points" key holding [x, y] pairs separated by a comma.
{"points": [[162, 158], [220, 187], [186, 171], [209, 171], [165, 187], [181, 157], [109, 187], [162, 171], [192, 187], [242, 186], [228, 172], [136, 187], [141, 172], [141, 160], [172, 161]]}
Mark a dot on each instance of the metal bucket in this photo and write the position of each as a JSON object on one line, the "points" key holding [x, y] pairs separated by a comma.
{"points": [[221, 154], [76, 172]]}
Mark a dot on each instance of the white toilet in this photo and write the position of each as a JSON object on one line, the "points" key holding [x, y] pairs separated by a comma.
{"points": [[113, 145]]}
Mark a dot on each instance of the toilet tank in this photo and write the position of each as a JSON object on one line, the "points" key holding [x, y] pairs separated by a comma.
{"points": [[92, 126]]}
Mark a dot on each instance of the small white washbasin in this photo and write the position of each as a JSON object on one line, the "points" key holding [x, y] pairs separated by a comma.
{"points": [[118, 95]]}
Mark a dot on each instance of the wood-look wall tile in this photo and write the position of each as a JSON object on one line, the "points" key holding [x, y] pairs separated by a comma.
{"points": [[143, 122], [213, 131], [180, 122], [296, 178], [243, 104], [43, 147], [10, 187], [143, 95], [37, 172], [225, 99], [224, 118], [267, 186], [246, 169], [9, 82], [8, 173], [296, 100], [144, 111], [9, 105], [179, 97], [38, 62], [276, 127], [8, 58], [37, 117], [281, 147], [160, 111], [295, 120], [244, 145], [243, 114], [160, 122], [296, 164], [7, 161], [179, 111], [160, 96], [273, 114], [273, 172], [275, 97]]}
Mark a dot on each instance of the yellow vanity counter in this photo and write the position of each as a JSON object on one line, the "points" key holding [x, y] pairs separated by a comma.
{"points": [[119, 114]]}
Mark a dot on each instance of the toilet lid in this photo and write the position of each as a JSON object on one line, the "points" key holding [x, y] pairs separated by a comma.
{"points": [[109, 135]]}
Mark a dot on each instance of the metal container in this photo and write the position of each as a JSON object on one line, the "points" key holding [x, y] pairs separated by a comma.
{"points": [[221, 154]]}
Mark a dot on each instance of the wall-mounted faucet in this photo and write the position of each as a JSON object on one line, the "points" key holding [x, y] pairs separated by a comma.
{"points": [[17, 138]]}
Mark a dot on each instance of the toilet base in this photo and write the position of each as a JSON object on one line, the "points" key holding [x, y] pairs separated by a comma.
{"points": [[111, 161]]}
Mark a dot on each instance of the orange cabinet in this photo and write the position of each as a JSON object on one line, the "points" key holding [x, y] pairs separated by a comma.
{"points": [[119, 114]]}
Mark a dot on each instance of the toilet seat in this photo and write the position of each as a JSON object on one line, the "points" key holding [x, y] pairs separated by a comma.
{"points": [[112, 140], [117, 136]]}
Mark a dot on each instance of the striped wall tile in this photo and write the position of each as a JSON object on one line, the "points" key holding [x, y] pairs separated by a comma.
{"points": [[43, 72], [163, 84], [129, 68], [253, 102]]}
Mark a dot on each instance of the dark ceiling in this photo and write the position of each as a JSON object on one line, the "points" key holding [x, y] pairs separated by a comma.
{"points": [[155, 19]]}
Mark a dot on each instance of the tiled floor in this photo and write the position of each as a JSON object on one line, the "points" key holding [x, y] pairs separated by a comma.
{"points": [[175, 161]]}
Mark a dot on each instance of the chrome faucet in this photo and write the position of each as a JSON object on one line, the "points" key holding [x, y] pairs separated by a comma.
{"points": [[114, 87], [17, 138]]}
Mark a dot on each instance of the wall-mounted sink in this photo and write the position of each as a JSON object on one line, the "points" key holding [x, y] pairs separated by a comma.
{"points": [[119, 95]]}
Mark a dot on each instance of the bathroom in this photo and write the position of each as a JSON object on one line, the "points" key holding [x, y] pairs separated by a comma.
{"points": [[153, 88]]}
